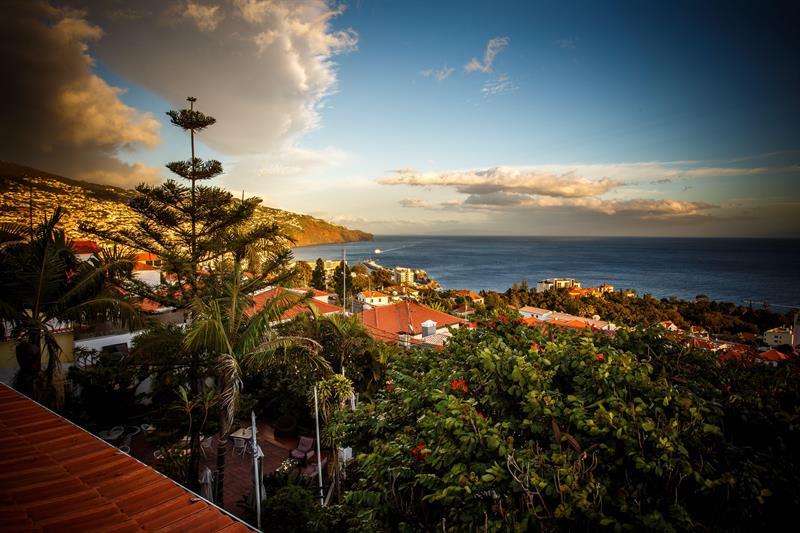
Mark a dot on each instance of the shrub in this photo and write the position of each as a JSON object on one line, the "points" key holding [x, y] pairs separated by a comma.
{"points": [[507, 428]]}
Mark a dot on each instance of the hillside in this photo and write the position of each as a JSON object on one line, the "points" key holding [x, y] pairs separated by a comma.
{"points": [[104, 205]]}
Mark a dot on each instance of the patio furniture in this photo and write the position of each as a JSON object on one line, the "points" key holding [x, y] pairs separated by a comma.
{"points": [[239, 445], [311, 469], [111, 434], [304, 450], [148, 428]]}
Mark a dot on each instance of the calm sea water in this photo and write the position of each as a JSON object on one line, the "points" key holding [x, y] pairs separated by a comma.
{"points": [[724, 269]]}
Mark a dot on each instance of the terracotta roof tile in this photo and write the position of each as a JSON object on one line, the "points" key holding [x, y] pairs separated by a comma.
{"points": [[405, 317], [56, 476]]}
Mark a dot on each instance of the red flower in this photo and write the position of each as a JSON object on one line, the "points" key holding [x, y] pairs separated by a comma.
{"points": [[535, 347], [481, 415], [600, 357], [389, 386], [459, 385], [420, 451]]}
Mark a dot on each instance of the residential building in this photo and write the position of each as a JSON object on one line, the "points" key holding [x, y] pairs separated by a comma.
{"points": [[408, 321], [537, 314], [373, 298], [261, 298], [403, 276], [474, 297], [556, 283], [85, 250], [778, 337]]}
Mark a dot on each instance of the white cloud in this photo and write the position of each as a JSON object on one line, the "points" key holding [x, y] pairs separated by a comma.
{"points": [[498, 86], [493, 47], [415, 203], [264, 73], [440, 74]]}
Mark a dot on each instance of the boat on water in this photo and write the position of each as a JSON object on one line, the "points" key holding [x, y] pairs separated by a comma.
{"points": [[377, 250]]}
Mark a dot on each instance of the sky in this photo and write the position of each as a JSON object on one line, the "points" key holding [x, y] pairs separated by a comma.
{"points": [[512, 118]]}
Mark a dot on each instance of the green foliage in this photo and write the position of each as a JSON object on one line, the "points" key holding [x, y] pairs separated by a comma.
{"points": [[318, 275], [716, 317], [290, 509], [107, 387], [509, 429]]}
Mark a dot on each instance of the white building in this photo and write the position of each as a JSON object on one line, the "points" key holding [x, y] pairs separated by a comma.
{"points": [[556, 283], [373, 298], [403, 276], [778, 337]]}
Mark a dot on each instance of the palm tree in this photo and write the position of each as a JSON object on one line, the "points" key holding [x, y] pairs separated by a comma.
{"points": [[243, 341], [44, 288], [349, 347]]}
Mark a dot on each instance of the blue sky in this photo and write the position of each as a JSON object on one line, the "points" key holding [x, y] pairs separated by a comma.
{"points": [[621, 118]]}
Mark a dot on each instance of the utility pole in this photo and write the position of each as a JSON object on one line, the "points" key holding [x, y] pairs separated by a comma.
{"points": [[344, 279]]}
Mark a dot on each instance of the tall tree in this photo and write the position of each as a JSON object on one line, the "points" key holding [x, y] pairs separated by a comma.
{"points": [[318, 276], [194, 228], [242, 341], [343, 282]]}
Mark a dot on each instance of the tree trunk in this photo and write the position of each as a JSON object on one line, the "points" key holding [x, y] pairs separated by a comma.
{"points": [[222, 449], [29, 358]]}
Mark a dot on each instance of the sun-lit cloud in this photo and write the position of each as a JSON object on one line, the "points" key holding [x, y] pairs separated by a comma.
{"points": [[263, 68], [493, 47], [205, 16], [510, 179], [61, 116]]}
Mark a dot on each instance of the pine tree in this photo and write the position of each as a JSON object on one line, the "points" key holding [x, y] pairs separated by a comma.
{"points": [[196, 230], [318, 276]]}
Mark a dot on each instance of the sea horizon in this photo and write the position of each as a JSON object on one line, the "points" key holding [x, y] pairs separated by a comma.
{"points": [[734, 269]]}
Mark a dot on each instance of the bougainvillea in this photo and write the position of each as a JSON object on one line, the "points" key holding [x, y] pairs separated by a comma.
{"points": [[657, 437]]}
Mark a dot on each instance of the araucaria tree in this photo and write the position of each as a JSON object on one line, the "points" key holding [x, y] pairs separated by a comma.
{"points": [[196, 229]]}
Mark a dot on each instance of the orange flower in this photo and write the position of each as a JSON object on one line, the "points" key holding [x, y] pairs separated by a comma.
{"points": [[420, 451], [535, 347], [600, 357], [459, 385]]}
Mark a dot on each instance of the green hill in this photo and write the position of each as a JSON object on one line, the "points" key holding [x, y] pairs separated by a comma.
{"points": [[105, 206]]}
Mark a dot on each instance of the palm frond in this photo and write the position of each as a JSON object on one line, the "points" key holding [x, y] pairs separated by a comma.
{"points": [[231, 378]]}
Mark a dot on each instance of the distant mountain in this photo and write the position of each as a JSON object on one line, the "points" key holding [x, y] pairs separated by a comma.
{"points": [[106, 206]]}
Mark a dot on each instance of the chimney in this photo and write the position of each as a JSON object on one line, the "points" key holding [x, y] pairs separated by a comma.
{"points": [[428, 328]]}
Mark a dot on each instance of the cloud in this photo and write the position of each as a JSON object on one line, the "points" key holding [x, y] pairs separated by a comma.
{"points": [[508, 179], [205, 17], [498, 86], [59, 115], [648, 209], [569, 43], [415, 203], [493, 47], [404, 170], [440, 74], [264, 72]]}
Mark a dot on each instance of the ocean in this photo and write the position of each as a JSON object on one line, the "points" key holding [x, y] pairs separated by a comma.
{"points": [[734, 270]]}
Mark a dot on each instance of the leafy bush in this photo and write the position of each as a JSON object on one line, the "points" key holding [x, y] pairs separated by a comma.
{"points": [[291, 508], [510, 429]]}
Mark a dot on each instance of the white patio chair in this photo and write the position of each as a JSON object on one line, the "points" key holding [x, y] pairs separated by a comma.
{"points": [[239, 445]]}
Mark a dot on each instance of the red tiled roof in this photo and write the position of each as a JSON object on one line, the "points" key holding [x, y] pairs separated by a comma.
{"points": [[260, 300], [54, 476], [772, 355], [146, 256], [405, 317], [472, 295], [85, 247], [316, 292], [374, 294], [137, 267]]}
